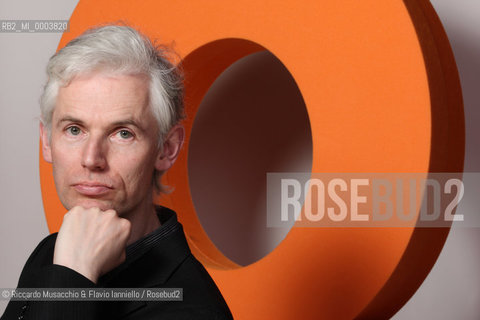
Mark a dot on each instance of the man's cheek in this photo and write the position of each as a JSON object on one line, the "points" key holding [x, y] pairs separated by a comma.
{"points": [[135, 180]]}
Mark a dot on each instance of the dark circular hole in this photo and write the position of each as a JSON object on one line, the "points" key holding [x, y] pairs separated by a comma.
{"points": [[253, 120]]}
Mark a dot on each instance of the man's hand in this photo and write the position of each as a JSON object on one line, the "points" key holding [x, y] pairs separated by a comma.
{"points": [[91, 242]]}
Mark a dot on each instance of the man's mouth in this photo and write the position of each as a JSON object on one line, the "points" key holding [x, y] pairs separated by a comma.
{"points": [[92, 189]]}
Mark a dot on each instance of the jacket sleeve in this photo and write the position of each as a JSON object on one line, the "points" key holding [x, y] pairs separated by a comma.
{"points": [[40, 272]]}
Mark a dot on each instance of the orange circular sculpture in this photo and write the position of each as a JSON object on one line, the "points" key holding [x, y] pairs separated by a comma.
{"points": [[382, 94]]}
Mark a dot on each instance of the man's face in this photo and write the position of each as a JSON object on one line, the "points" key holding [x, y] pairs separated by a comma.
{"points": [[104, 143]]}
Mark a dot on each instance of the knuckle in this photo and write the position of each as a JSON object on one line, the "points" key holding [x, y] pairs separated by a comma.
{"points": [[74, 210], [110, 213], [94, 210], [125, 224]]}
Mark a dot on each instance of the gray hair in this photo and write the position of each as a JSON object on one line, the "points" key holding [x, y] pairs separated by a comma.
{"points": [[119, 50]]}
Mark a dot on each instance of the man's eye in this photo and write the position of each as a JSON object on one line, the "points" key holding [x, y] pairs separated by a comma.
{"points": [[125, 134], [74, 130]]}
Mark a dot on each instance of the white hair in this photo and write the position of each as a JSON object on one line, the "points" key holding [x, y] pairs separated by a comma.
{"points": [[119, 50]]}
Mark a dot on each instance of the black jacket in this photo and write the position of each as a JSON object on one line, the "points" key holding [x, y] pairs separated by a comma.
{"points": [[168, 264]]}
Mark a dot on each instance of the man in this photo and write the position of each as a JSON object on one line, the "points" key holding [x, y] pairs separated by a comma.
{"points": [[110, 127]]}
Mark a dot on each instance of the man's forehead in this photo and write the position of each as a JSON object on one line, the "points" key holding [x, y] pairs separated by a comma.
{"points": [[118, 99]]}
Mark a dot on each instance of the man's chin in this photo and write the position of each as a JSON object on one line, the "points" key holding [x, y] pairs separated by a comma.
{"points": [[92, 203]]}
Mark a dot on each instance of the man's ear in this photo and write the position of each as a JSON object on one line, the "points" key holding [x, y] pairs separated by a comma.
{"points": [[171, 148], [46, 149]]}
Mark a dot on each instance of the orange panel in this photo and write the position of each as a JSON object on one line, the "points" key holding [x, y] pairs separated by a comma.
{"points": [[382, 93]]}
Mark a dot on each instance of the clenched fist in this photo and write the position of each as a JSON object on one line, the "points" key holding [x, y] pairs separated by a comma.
{"points": [[91, 242]]}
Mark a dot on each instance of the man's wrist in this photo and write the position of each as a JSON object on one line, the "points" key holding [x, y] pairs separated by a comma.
{"points": [[84, 271]]}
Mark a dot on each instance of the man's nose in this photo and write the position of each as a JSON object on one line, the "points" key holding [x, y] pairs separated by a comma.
{"points": [[94, 154]]}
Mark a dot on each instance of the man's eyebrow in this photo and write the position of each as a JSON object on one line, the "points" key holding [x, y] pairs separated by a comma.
{"points": [[70, 119], [131, 122], [118, 123]]}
